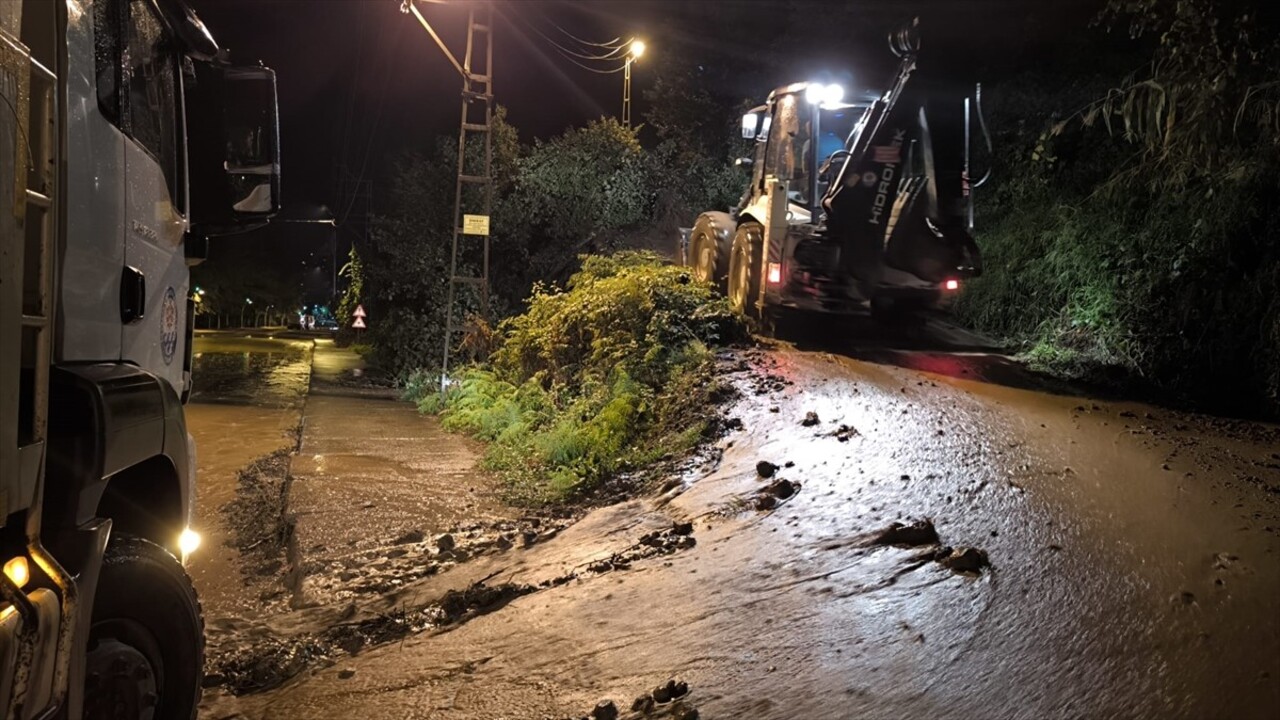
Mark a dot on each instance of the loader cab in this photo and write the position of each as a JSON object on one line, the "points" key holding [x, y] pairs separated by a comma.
{"points": [[801, 136]]}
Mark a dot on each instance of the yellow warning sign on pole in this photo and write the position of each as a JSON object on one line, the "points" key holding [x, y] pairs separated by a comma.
{"points": [[475, 224]]}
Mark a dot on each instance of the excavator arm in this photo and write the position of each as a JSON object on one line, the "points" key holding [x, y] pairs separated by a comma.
{"points": [[899, 201]]}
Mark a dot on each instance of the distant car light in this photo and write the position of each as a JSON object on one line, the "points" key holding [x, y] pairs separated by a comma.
{"points": [[775, 273], [952, 285]]}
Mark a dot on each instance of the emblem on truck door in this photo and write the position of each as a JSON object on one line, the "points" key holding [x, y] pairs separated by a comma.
{"points": [[169, 325]]}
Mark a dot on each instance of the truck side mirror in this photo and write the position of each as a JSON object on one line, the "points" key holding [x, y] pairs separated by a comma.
{"points": [[750, 125], [233, 127]]}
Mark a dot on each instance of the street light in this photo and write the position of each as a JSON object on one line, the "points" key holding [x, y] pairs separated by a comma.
{"points": [[633, 54]]}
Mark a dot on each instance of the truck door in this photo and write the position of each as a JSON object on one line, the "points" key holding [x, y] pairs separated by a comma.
{"points": [[156, 276]]}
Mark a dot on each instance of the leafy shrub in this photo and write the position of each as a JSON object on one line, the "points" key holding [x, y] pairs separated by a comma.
{"points": [[609, 373], [1134, 240]]}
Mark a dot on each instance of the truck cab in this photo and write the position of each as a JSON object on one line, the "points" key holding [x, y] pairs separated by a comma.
{"points": [[132, 143]]}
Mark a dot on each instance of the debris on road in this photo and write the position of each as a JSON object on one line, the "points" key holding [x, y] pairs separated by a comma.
{"points": [[261, 527], [918, 533], [963, 559], [766, 469], [262, 661], [660, 542], [844, 432], [768, 497], [810, 419]]}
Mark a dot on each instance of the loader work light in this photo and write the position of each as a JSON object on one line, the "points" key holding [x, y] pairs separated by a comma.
{"points": [[824, 95]]}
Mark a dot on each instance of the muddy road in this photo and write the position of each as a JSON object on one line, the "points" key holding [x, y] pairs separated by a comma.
{"points": [[246, 403], [872, 540]]}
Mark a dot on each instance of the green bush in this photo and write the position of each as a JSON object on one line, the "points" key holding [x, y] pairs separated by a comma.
{"points": [[608, 374], [1100, 268]]}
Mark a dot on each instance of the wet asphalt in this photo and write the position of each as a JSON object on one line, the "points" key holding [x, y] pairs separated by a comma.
{"points": [[1134, 565]]}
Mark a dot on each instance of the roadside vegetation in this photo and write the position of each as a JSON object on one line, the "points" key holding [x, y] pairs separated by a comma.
{"points": [[610, 373], [1131, 235], [591, 190]]}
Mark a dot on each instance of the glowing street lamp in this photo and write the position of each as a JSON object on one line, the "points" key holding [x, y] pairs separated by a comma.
{"points": [[633, 53]]}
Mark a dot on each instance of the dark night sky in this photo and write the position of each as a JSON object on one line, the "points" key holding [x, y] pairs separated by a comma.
{"points": [[360, 81], [358, 78]]}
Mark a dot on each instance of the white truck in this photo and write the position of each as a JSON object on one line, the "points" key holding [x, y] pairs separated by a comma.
{"points": [[126, 142]]}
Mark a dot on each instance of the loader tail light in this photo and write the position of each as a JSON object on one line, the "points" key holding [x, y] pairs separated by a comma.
{"points": [[775, 273], [951, 284]]}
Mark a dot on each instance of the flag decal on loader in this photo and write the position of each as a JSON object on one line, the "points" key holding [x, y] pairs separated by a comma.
{"points": [[886, 154]]}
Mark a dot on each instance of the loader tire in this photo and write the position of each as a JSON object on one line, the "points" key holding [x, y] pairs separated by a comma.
{"points": [[745, 269], [145, 657], [709, 248]]}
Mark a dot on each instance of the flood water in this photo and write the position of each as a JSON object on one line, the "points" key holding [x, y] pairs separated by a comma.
{"points": [[246, 402]]}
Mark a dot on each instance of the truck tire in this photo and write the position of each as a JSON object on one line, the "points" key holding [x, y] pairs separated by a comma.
{"points": [[744, 269], [145, 657], [709, 246]]}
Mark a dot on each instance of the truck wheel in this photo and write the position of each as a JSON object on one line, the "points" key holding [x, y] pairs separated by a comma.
{"points": [[744, 269], [146, 648]]}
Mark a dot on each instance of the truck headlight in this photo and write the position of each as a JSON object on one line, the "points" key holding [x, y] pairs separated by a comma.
{"points": [[188, 542]]}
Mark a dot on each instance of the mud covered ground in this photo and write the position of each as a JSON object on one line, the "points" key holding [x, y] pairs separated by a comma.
{"points": [[866, 541]]}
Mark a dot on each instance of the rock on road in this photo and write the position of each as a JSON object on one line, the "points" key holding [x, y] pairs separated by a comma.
{"points": [[1133, 570]]}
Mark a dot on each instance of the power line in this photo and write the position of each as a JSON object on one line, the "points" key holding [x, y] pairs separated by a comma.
{"points": [[567, 51], [618, 69], [616, 47], [377, 120], [606, 45]]}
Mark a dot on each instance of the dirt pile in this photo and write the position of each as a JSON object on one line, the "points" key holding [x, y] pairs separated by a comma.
{"points": [[261, 661], [921, 533], [261, 527]]}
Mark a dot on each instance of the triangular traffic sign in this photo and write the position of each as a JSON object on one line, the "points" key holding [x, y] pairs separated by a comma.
{"points": [[358, 324], [359, 312]]}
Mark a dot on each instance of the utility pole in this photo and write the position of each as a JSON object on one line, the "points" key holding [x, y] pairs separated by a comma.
{"points": [[476, 70], [633, 54]]}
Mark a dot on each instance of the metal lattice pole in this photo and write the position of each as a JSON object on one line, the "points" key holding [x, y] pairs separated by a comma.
{"points": [[476, 118]]}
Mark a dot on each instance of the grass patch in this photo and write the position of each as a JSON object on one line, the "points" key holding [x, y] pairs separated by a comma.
{"points": [[610, 373]]}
